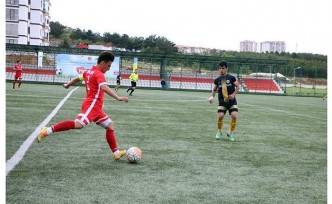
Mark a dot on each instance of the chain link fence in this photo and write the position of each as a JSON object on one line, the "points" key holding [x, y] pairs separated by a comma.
{"points": [[184, 74]]}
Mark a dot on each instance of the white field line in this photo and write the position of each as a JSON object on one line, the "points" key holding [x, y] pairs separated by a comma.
{"points": [[19, 154], [17, 157], [216, 102], [286, 112]]}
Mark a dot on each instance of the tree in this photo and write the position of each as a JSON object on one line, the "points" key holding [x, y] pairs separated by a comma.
{"points": [[107, 37], [57, 29], [124, 42], [159, 45], [64, 44], [116, 39], [137, 43], [90, 36], [77, 34]]}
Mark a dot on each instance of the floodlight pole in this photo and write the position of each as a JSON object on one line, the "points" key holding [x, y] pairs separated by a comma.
{"points": [[271, 78], [270, 71], [294, 75], [300, 82]]}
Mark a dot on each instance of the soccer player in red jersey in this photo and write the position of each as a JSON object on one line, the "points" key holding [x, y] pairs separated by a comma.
{"points": [[92, 106], [18, 74]]}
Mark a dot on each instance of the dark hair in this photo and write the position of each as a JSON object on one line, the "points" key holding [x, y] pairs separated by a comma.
{"points": [[105, 56], [223, 63], [18, 61]]}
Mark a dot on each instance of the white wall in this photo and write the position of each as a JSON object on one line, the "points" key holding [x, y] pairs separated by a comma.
{"points": [[38, 32]]}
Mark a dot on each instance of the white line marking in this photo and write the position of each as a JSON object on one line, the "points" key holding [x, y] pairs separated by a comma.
{"points": [[19, 154], [286, 112]]}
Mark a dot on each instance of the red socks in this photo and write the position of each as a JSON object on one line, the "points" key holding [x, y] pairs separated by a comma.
{"points": [[111, 140], [64, 125], [70, 124]]}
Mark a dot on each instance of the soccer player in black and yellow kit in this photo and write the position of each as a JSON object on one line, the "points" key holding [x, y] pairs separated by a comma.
{"points": [[227, 87], [118, 82]]}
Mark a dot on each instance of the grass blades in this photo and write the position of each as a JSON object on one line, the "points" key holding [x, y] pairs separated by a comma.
{"points": [[279, 156]]}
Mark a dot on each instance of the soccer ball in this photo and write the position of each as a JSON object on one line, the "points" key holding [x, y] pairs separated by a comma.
{"points": [[134, 154]]}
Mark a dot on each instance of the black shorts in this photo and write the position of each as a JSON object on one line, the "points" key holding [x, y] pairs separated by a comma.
{"points": [[223, 107], [133, 84], [117, 82]]}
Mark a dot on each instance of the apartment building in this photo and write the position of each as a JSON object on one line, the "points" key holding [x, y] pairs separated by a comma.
{"points": [[28, 22], [248, 46], [273, 46]]}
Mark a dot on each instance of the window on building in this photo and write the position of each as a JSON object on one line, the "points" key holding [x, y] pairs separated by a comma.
{"points": [[11, 14], [12, 2], [12, 41], [11, 29]]}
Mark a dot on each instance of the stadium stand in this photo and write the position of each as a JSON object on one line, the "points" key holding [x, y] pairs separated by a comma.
{"points": [[152, 79], [262, 85]]}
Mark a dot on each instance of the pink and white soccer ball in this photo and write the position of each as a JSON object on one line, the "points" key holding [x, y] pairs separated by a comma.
{"points": [[134, 154]]}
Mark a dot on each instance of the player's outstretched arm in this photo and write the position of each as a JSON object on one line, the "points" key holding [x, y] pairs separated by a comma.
{"points": [[109, 92], [71, 82]]}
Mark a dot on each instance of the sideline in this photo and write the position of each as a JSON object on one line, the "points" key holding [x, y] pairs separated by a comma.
{"points": [[286, 112], [19, 154]]}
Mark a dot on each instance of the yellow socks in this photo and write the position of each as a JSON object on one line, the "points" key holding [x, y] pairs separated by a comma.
{"points": [[219, 124], [232, 125]]}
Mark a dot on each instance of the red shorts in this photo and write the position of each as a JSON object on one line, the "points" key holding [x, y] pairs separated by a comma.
{"points": [[18, 76], [89, 115]]}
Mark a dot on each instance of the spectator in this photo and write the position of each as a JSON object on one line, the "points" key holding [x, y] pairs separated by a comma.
{"points": [[163, 84]]}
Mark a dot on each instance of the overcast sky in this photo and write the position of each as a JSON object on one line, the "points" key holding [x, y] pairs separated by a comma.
{"points": [[301, 24]]}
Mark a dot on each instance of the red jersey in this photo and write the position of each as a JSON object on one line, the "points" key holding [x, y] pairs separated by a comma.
{"points": [[94, 78], [18, 69]]}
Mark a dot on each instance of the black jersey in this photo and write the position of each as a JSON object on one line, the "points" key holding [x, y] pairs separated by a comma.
{"points": [[118, 79], [228, 81]]}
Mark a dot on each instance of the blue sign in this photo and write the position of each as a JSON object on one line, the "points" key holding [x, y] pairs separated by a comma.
{"points": [[73, 65]]}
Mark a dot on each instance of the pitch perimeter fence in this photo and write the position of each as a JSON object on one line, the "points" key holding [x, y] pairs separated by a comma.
{"points": [[182, 74]]}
